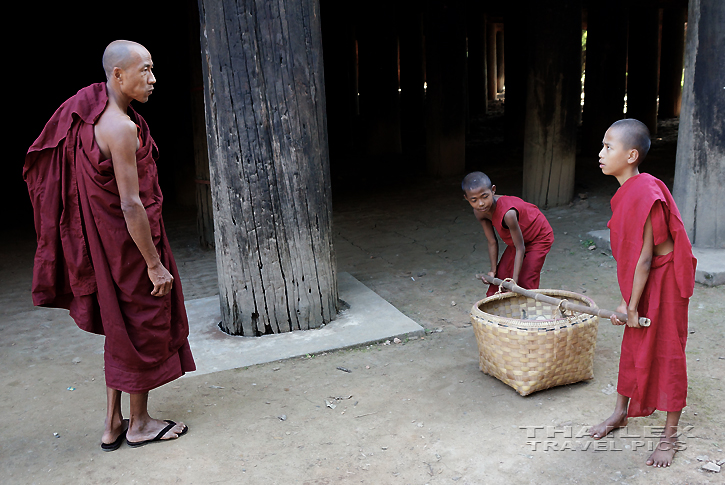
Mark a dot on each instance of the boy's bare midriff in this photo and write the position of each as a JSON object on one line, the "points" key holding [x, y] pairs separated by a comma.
{"points": [[664, 248]]}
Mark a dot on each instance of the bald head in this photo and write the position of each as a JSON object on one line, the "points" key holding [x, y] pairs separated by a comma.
{"points": [[633, 134], [476, 180], [122, 54]]}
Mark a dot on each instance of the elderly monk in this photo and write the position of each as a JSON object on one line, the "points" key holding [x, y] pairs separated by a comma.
{"points": [[102, 248]]}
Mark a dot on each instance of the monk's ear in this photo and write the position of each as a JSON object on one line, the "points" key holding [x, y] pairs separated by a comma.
{"points": [[633, 157], [493, 189], [118, 74]]}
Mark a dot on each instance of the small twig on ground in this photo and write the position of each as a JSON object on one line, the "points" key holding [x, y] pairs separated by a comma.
{"points": [[366, 414]]}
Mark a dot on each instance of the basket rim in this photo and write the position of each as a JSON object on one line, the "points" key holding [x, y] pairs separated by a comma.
{"points": [[532, 324]]}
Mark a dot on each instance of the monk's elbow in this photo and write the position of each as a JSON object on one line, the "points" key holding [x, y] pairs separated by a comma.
{"points": [[130, 205], [645, 263]]}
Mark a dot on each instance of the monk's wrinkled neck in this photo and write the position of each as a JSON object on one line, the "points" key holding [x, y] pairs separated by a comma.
{"points": [[116, 97]]}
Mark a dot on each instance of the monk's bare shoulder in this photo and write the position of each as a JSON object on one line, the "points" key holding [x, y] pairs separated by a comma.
{"points": [[115, 133]]}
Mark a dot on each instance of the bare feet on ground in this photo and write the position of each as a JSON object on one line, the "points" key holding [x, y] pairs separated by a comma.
{"points": [[664, 453], [616, 420], [147, 430]]}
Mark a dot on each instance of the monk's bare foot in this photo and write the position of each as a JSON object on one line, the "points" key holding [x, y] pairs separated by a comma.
{"points": [[664, 453], [616, 420], [113, 431], [146, 430]]}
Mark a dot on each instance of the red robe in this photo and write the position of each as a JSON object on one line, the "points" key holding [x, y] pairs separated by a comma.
{"points": [[653, 366], [86, 261], [538, 238]]}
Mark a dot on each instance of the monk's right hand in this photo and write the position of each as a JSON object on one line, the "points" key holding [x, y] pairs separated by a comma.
{"points": [[161, 279], [622, 308]]}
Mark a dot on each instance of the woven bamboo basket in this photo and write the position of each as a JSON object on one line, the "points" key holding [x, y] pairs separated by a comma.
{"points": [[529, 354]]}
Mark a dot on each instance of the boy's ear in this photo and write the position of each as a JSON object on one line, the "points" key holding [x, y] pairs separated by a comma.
{"points": [[633, 157], [493, 189]]}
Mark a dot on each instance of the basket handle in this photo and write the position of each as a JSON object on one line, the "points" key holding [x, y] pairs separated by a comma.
{"points": [[589, 310]]}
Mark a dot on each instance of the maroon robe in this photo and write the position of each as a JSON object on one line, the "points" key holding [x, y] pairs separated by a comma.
{"points": [[538, 238], [652, 365], [86, 261]]}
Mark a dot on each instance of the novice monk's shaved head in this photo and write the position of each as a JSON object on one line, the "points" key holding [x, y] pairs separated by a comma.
{"points": [[475, 180], [120, 53], [633, 134]]}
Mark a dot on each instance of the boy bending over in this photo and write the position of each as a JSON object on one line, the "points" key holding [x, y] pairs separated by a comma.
{"points": [[656, 273], [521, 225]]}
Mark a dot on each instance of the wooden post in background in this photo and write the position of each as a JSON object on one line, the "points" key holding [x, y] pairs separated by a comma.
{"points": [[500, 65], [643, 65], [412, 79], [477, 71], [445, 44], [204, 205], [265, 116], [491, 67], [379, 96], [339, 64], [700, 170], [516, 50], [552, 102], [672, 60], [606, 71]]}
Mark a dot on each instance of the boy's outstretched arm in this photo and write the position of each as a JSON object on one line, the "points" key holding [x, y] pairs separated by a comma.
{"points": [[512, 221], [641, 273], [492, 244]]}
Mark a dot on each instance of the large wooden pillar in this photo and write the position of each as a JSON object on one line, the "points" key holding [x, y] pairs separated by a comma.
{"points": [[606, 71], [518, 42], [700, 171], [265, 115], [445, 44], [672, 60], [643, 65], [552, 102], [477, 54]]}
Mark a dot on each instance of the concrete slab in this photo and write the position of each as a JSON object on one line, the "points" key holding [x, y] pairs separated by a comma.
{"points": [[710, 262], [601, 239], [369, 319]]}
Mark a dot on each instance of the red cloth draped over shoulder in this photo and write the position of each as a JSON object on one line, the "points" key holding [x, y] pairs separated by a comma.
{"points": [[538, 238], [86, 261], [653, 366], [630, 207]]}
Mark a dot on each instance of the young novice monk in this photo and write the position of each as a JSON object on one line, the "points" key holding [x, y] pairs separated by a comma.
{"points": [[656, 273], [522, 226]]}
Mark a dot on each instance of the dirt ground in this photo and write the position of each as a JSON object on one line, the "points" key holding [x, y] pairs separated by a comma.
{"points": [[416, 412]]}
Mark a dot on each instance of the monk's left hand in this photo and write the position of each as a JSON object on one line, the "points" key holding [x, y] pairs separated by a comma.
{"points": [[633, 318]]}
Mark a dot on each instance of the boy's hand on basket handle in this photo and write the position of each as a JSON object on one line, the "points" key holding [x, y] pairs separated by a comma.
{"points": [[631, 316], [622, 308]]}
